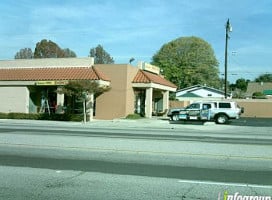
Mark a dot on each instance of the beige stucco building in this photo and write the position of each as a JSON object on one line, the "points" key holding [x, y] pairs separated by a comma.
{"points": [[134, 89]]}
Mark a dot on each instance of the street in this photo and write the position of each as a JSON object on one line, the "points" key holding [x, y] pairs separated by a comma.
{"points": [[133, 160]]}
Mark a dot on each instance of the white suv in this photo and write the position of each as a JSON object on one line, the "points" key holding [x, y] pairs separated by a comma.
{"points": [[219, 111]]}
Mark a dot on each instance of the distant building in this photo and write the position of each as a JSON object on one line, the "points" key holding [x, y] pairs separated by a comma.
{"points": [[25, 83], [262, 87], [197, 92]]}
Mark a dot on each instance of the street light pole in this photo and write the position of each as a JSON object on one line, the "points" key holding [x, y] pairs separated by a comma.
{"points": [[228, 30]]}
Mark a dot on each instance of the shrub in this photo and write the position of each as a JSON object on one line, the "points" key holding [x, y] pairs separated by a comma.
{"points": [[258, 95], [134, 116], [22, 116], [43, 116], [76, 117], [3, 116]]}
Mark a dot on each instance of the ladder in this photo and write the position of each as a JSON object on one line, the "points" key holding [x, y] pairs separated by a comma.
{"points": [[44, 106]]}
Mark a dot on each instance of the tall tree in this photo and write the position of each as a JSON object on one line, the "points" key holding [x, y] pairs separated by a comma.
{"points": [[264, 78], [188, 61], [48, 49], [239, 88], [242, 84], [69, 53], [25, 53], [101, 56]]}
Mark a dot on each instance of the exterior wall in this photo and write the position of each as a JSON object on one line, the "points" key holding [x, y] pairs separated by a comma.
{"points": [[193, 99], [130, 98], [257, 87], [119, 100], [14, 99], [256, 107], [178, 104], [206, 93]]}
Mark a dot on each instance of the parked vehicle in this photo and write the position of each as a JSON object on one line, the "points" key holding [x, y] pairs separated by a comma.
{"points": [[219, 111]]}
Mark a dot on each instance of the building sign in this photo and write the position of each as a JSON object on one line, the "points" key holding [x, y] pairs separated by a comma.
{"points": [[150, 68], [60, 82]]}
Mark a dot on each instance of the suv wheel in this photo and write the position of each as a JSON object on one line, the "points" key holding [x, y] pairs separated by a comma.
{"points": [[222, 119], [175, 117]]}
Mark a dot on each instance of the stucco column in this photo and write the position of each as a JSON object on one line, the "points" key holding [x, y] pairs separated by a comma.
{"points": [[148, 102], [60, 99], [165, 103], [60, 103], [89, 106]]}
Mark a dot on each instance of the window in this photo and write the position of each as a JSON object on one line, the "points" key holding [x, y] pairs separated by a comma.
{"points": [[206, 106], [224, 105], [194, 106]]}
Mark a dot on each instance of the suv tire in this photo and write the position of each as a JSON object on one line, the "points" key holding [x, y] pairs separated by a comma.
{"points": [[175, 117], [221, 119]]}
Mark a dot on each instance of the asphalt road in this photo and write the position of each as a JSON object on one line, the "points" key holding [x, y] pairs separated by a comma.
{"points": [[111, 160], [243, 121]]}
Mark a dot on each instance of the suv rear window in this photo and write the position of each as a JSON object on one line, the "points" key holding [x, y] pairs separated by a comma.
{"points": [[224, 105]]}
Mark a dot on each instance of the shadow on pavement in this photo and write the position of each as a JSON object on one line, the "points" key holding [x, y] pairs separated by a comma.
{"points": [[244, 121], [248, 121]]}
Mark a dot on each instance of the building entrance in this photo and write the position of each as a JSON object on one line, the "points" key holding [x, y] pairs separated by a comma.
{"points": [[140, 102]]}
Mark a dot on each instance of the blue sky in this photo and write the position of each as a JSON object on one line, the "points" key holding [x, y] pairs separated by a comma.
{"points": [[129, 28]]}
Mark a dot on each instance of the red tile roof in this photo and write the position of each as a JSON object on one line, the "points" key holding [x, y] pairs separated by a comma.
{"points": [[36, 74], [148, 77]]}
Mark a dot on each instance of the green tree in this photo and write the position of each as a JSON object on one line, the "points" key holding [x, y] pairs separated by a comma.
{"points": [[242, 84], [69, 53], [48, 49], [80, 89], [25, 53], [264, 78], [239, 88], [188, 61], [258, 95], [100, 55]]}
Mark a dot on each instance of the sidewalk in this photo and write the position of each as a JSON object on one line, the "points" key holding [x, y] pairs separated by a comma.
{"points": [[152, 123], [245, 125], [96, 122]]}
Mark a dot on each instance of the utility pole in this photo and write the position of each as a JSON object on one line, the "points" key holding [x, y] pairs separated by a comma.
{"points": [[228, 30]]}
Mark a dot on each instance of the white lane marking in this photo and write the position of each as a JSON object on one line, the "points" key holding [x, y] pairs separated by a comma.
{"points": [[225, 184]]}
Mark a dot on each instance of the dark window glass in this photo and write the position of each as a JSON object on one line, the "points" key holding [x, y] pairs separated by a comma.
{"points": [[194, 106], [224, 105], [206, 106]]}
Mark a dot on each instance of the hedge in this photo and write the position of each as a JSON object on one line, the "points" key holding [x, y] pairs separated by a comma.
{"points": [[42, 116]]}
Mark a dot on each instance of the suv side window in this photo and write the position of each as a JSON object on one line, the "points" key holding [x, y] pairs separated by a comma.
{"points": [[224, 105], [194, 106], [206, 106]]}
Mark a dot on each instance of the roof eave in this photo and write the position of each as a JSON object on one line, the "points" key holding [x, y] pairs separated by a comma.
{"points": [[154, 85]]}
